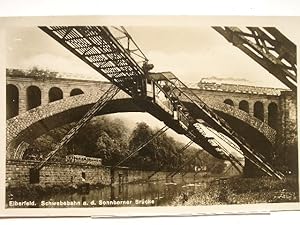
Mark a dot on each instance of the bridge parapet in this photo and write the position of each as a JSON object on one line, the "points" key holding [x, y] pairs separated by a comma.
{"points": [[238, 88]]}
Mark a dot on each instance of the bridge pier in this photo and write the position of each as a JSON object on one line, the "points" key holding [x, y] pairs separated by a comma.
{"points": [[22, 101], [112, 176], [251, 170]]}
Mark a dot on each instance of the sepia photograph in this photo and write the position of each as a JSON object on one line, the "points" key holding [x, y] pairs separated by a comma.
{"points": [[131, 114]]}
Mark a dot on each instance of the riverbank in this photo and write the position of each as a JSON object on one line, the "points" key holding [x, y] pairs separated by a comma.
{"points": [[242, 191]]}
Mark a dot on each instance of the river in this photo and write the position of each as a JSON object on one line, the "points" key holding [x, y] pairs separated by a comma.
{"points": [[156, 193]]}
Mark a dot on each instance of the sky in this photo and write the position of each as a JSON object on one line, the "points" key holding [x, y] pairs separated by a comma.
{"points": [[191, 53]]}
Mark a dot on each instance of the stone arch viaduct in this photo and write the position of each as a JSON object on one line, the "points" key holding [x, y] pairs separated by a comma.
{"points": [[35, 106]]}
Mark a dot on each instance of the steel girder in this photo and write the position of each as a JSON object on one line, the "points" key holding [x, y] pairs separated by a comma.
{"points": [[268, 47], [96, 46], [180, 94]]}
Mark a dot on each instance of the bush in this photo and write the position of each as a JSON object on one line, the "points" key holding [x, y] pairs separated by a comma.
{"points": [[245, 191]]}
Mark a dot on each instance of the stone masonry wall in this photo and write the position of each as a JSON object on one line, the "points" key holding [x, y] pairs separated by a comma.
{"points": [[289, 117], [287, 134], [64, 174], [17, 174], [66, 85]]}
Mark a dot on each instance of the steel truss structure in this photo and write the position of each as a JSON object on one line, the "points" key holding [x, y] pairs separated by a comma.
{"points": [[268, 47], [181, 96], [98, 47]]}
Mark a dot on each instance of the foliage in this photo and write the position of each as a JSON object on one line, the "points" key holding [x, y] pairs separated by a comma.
{"points": [[244, 191], [34, 72], [111, 140]]}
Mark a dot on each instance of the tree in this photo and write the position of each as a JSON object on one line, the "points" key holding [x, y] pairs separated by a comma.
{"points": [[101, 137], [147, 154], [112, 141], [41, 73], [34, 72]]}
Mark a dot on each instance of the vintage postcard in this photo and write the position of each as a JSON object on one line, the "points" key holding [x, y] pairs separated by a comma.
{"points": [[115, 116]]}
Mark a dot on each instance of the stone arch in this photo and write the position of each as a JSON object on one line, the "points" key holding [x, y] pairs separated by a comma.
{"points": [[55, 94], [229, 102], [273, 115], [244, 105], [76, 91], [33, 94], [259, 110], [12, 101], [35, 122]]}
